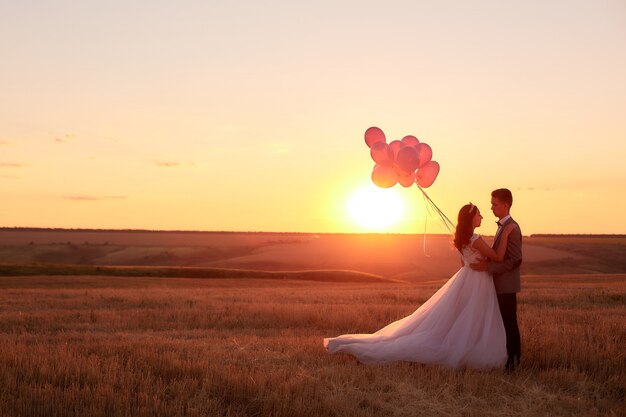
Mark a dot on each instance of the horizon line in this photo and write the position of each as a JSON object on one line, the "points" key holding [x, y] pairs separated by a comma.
{"points": [[181, 231]]}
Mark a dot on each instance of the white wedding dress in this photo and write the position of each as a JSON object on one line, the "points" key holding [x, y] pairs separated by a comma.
{"points": [[459, 326]]}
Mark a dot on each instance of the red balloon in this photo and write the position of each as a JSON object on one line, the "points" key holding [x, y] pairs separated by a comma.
{"points": [[396, 145], [426, 175], [410, 140], [426, 154], [407, 159], [374, 135], [384, 176], [381, 153], [406, 179]]}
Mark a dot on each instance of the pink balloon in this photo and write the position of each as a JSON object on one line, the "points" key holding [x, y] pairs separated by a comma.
{"points": [[396, 145], [384, 176], [407, 159], [406, 180], [426, 154], [410, 140], [427, 174], [381, 153], [374, 135]]}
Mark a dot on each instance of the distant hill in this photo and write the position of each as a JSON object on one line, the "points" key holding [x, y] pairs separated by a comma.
{"points": [[89, 230], [390, 256]]}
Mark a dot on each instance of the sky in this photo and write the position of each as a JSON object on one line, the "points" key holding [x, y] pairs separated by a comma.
{"points": [[249, 116]]}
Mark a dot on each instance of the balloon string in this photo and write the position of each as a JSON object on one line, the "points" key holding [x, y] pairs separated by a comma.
{"points": [[425, 226], [430, 204]]}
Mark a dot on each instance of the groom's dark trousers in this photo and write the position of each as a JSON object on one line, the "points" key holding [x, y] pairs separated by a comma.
{"points": [[506, 278], [508, 309]]}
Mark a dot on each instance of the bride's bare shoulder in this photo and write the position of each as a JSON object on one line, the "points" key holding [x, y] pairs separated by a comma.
{"points": [[477, 242]]}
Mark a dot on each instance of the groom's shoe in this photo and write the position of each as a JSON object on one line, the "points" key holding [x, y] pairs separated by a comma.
{"points": [[512, 364]]}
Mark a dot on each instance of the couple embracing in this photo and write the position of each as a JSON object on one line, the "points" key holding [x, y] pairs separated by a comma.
{"points": [[469, 322]]}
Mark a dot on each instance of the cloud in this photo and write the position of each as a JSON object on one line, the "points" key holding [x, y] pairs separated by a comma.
{"points": [[65, 138], [4, 142], [173, 164], [94, 198], [10, 165], [535, 189], [9, 177], [168, 164]]}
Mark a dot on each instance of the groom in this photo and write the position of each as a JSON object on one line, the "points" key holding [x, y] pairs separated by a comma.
{"points": [[506, 274]]}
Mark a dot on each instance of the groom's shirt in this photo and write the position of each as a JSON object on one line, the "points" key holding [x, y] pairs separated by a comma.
{"points": [[501, 223]]}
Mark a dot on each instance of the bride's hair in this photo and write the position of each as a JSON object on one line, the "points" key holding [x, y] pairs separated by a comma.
{"points": [[464, 228]]}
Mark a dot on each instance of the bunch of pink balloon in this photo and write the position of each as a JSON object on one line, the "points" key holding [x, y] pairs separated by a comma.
{"points": [[405, 161]]}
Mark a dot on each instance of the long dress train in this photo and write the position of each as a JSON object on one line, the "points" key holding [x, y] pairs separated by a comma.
{"points": [[459, 326]]}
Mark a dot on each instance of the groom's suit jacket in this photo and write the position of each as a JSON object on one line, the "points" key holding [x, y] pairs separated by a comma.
{"points": [[506, 274]]}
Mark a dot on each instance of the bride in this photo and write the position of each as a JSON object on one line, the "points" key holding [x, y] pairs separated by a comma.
{"points": [[459, 326]]}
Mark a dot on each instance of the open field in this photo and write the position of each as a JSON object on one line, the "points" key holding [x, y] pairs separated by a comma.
{"points": [[231, 324], [117, 346]]}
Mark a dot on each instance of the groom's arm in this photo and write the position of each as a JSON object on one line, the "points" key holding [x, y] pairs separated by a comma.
{"points": [[513, 257]]}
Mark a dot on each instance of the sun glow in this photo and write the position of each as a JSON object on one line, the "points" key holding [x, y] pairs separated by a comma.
{"points": [[375, 209]]}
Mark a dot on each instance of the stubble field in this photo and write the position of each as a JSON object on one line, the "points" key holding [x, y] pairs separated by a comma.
{"points": [[122, 346]]}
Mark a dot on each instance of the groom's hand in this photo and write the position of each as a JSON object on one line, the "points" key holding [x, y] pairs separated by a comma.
{"points": [[480, 265]]}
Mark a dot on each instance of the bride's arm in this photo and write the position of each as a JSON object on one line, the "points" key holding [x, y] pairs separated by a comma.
{"points": [[486, 250]]}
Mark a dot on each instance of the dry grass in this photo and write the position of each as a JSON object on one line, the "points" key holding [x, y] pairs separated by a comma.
{"points": [[111, 346]]}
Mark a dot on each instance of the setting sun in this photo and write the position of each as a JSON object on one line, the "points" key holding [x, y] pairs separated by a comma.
{"points": [[374, 208]]}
